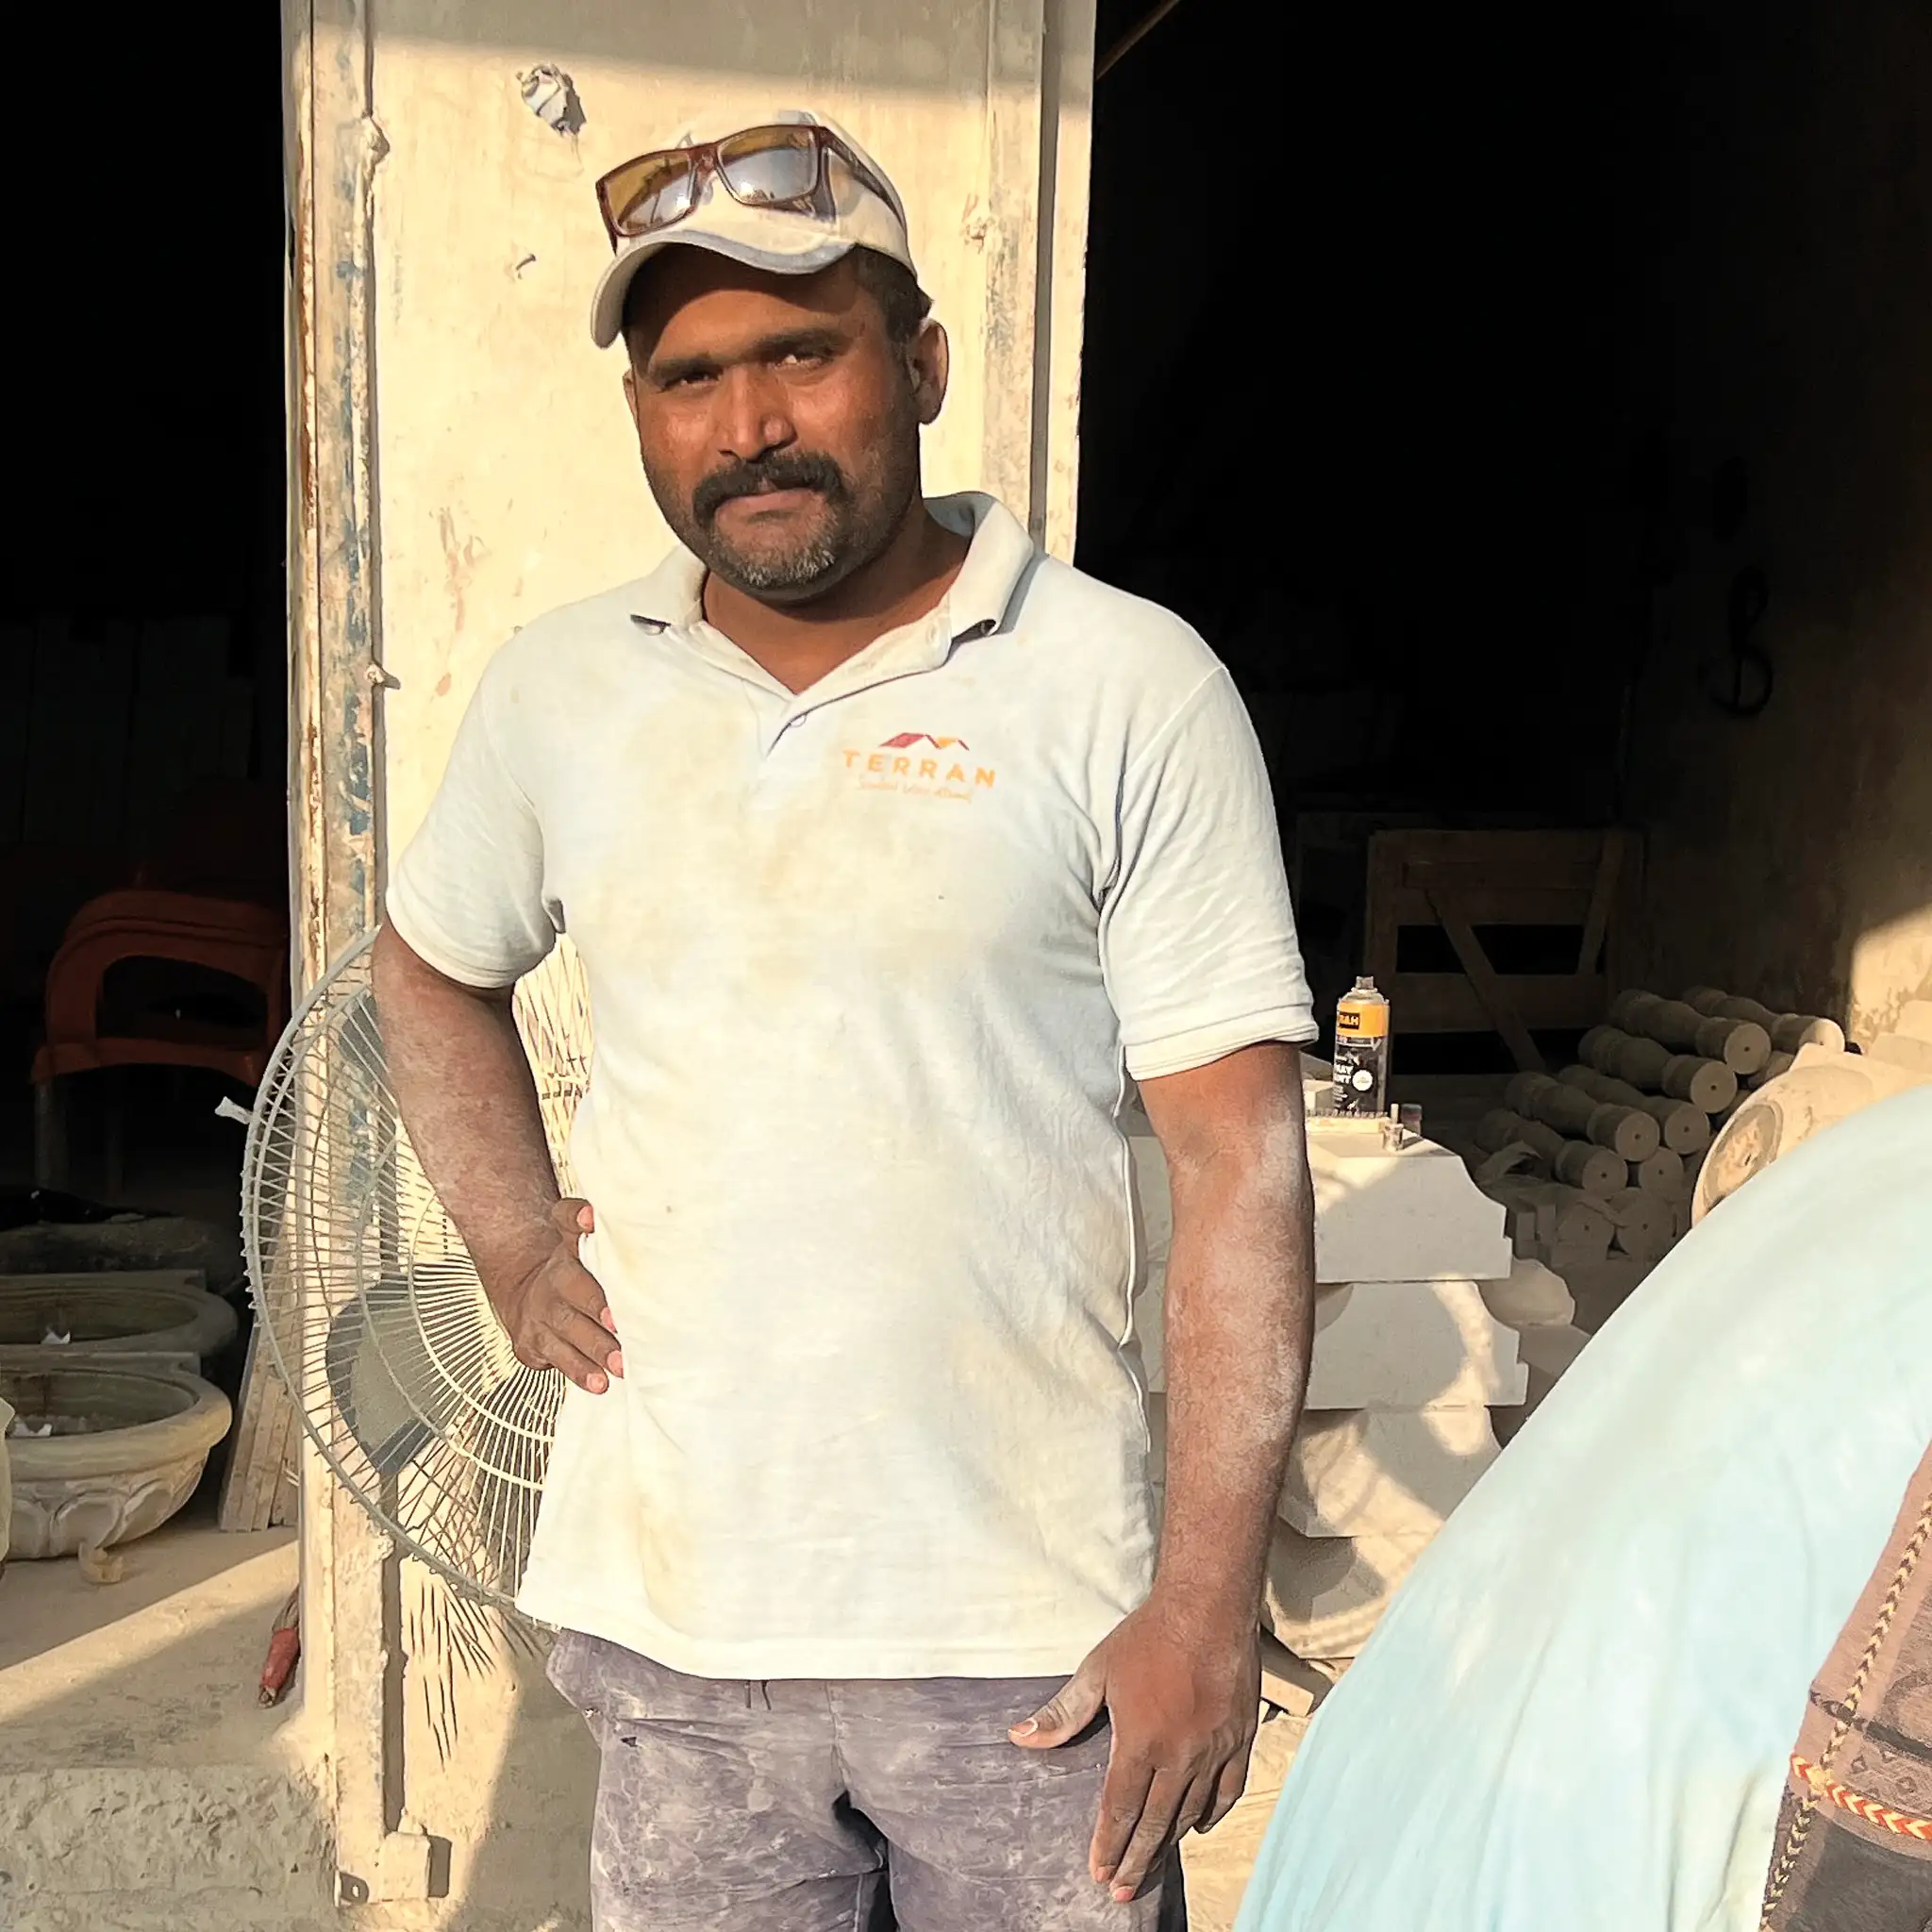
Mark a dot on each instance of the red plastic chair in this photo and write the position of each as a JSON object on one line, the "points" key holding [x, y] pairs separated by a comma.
{"points": [[216, 901]]}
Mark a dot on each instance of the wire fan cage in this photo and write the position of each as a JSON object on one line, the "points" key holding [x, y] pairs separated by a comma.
{"points": [[368, 1298]]}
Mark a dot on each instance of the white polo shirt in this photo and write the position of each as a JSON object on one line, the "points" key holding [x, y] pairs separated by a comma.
{"points": [[869, 965]]}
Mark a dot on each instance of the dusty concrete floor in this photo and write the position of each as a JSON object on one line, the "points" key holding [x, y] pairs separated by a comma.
{"points": [[158, 1669], [142, 1787]]}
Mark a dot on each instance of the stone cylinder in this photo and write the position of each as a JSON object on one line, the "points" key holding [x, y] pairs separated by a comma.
{"points": [[1642, 1225], [1662, 1172], [1790, 1031], [1709, 1083], [1593, 1170]]}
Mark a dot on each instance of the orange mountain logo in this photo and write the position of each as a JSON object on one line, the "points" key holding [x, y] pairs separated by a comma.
{"points": [[921, 764]]}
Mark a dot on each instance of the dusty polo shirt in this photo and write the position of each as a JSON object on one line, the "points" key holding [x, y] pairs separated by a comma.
{"points": [[869, 966]]}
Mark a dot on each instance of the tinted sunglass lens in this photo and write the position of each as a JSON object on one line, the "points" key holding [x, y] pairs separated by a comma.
{"points": [[771, 170], [660, 192]]}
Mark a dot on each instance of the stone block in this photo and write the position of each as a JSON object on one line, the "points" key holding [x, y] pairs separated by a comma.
{"points": [[1381, 1214], [1400, 1214], [1407, 1214], [1411, 1344], [1380, 1473]]}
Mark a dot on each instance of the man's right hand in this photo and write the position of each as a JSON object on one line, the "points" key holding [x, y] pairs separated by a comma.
{"points": [[556, 1313]]}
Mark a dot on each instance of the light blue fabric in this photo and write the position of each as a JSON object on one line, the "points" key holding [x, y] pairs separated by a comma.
{"points": [[1577, 1715]]}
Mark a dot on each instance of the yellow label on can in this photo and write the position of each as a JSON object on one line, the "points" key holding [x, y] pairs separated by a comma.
{"points": [[1366, 1022]]}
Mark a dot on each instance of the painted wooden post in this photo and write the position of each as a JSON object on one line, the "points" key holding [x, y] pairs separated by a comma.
{"points": [[351, 1573]]}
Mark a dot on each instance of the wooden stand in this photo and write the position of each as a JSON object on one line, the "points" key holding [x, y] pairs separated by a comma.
{"points": [[259, 1489], [1461, 881]]}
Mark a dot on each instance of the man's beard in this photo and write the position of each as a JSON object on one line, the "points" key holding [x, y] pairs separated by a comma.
{"points": [[811, 559], [852, 531]]}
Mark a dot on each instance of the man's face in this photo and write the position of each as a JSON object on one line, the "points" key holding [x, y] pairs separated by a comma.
{"points": [[778, 421]]}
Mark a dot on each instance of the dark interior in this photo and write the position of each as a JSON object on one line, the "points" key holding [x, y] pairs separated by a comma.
{"points": [[1365, 359], [142, 640], [1389, 325]]}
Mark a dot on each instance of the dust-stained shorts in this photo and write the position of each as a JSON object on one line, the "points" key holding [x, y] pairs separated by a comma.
{"points": [[789, 1805]]}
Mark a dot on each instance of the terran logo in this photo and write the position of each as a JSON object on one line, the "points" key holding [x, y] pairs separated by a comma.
{"points": [[931, 778]]}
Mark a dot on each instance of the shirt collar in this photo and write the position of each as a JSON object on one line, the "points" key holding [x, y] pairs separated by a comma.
{"points": [[997, 559], [673, 596]]}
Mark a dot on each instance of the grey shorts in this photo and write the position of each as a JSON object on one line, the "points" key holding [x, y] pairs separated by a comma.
{"points": [[849, 1806]]}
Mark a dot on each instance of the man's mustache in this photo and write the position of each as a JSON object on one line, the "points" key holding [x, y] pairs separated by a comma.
{"points": [[789, 470]]}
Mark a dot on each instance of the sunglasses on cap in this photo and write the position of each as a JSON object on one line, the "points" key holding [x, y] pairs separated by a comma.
{"points": [[780, 167]]}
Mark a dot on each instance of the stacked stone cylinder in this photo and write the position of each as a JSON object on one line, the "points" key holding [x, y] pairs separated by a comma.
{"points": [[1618, 1138]]}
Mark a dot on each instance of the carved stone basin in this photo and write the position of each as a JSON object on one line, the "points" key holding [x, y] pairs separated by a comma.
{"points": [[150, 1312], [127, 1449]]}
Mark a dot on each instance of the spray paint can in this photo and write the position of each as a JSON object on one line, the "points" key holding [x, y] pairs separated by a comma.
{"points": [[1362, 1050]]}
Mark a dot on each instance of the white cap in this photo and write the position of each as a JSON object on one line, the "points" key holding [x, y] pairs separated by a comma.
{"points": [[779, 240]]}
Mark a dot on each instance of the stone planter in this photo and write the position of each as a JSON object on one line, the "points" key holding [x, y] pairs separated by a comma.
{"points": [[128, 1450], [142, 1314]]}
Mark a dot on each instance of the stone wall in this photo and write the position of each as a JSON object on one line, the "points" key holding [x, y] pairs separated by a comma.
{"points": [[1789, 179]]}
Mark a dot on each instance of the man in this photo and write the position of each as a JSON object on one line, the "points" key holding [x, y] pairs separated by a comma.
{"points": [[893, 850], [1665, 1670]]}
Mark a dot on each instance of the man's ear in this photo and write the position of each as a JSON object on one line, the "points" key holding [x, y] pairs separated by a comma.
{"points": [[928, 358], [631, 393]]}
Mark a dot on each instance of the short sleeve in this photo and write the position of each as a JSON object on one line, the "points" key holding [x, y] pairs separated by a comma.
{"points": [[467, 894], [1197, 936]]}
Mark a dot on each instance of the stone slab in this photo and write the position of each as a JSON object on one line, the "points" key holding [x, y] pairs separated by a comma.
{"points": [[1410, 1214], [1407, 1214], [1408, 1345]]}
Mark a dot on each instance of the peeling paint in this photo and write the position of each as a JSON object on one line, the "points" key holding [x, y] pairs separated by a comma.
{"points": [[551, 94], [459, 565]]}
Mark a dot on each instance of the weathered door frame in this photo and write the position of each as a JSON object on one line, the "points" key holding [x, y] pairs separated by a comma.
{"points": [[351, 1584]]}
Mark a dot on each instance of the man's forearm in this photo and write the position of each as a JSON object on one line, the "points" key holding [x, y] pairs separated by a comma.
{"points": [[1240, 1300], [467, 1097]]}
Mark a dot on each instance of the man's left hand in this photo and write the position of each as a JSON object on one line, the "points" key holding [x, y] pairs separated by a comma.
{"points": [[1184, 1693]]}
